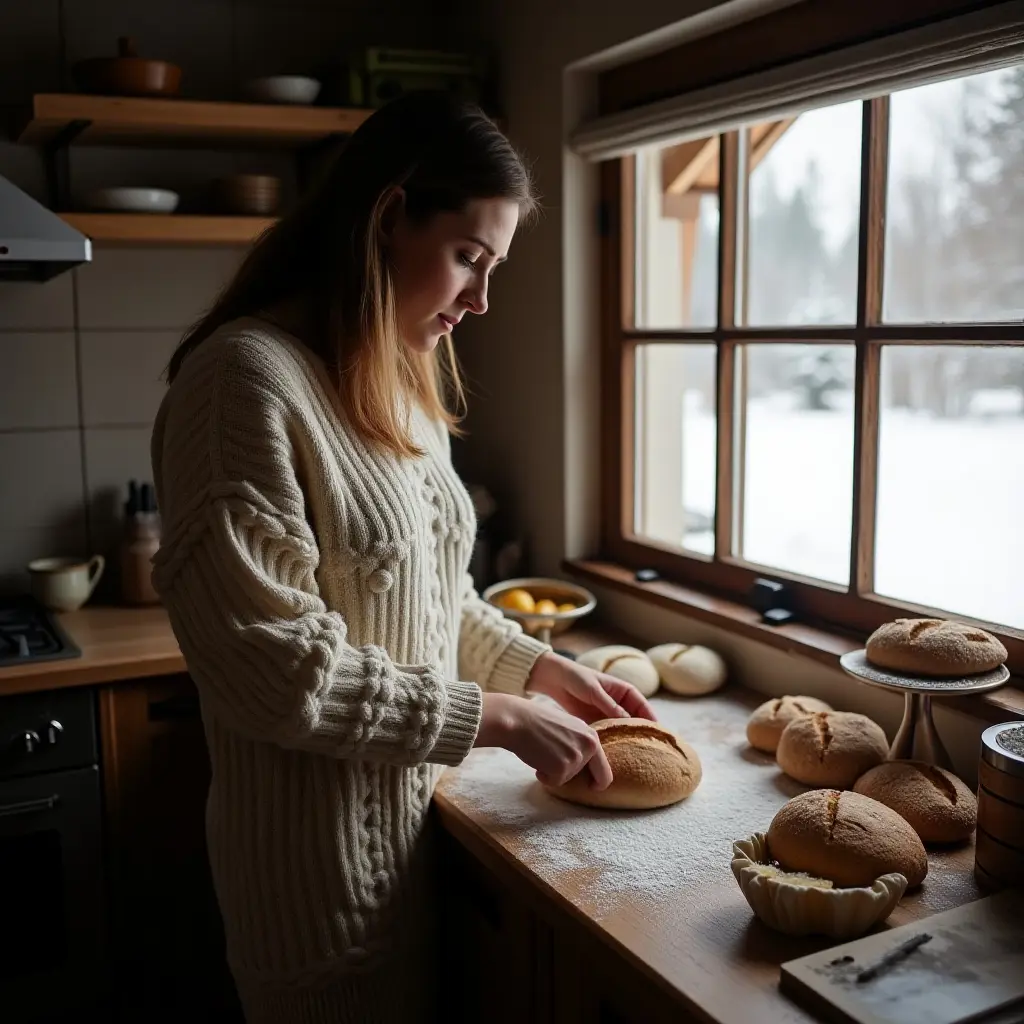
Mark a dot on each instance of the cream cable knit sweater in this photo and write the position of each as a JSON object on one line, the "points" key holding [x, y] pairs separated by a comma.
{"points": [[319, 591]]}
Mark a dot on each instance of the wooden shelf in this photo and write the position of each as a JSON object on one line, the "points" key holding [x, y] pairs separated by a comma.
{"points": [[125, 121], [168, 229]]}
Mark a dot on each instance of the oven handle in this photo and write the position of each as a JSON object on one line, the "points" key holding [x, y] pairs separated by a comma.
{"points": [[46, 803]]}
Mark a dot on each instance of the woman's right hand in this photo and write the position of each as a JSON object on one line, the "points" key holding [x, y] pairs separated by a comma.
{"points": [[554, 743]]}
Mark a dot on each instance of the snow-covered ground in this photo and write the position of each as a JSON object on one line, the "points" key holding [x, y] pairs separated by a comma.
{"points": [[950, 526]]}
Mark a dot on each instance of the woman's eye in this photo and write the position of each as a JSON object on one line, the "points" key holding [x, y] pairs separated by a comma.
{"points": [[466, 260]]}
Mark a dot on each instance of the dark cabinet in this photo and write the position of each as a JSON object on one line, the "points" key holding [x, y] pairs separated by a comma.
{"points": [[524, 957], [167, 937]]}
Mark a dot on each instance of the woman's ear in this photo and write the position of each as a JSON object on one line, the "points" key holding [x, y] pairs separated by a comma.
{"points": [[392, 211]]}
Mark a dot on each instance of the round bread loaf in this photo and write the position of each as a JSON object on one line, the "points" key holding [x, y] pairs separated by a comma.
{"points": [[934, 647], [845, 837], [831, 748], [651, 767], [688, 670], [939, 807], [627, 663], [767, 722]]}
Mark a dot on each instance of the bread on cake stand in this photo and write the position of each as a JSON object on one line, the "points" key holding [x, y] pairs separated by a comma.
{"points": [[923, 658]]}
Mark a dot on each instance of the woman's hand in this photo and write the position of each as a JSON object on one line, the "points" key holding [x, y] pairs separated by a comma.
{"points": [[586, 693], [556, 745]]}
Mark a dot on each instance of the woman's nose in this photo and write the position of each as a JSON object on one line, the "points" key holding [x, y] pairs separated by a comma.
{"points": [[476, 297]]}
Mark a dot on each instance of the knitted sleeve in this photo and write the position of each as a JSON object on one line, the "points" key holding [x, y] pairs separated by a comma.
{"points": [[236, 571], [493, 649]]}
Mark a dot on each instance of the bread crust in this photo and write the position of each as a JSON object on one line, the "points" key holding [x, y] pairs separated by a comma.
{"points": [[767, 722], [831, 748], [934, 647], [629, 664], [651, 767], [938, 806], [845, 837]]}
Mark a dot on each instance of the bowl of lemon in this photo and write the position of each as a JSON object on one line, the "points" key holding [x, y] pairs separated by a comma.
{"points": [[543, 607]]}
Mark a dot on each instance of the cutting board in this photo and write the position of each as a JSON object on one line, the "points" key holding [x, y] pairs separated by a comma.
{"points": [[972, 967]]}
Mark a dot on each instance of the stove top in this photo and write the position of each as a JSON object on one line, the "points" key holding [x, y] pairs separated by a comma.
{"points": [[28, 633]]}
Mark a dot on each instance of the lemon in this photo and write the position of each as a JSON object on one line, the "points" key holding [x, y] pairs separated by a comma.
{"points": [[567, 607], [517, 600], [546, 607]]}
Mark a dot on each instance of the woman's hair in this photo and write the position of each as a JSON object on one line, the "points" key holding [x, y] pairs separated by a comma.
{"points": [[442, 152]]}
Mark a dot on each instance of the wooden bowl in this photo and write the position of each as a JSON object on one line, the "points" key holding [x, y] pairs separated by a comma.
{"points": [[127, 74], [253, 195], [559, 591]]}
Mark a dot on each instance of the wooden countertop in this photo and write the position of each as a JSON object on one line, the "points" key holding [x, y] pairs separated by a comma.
{"points": [[656, 887], [116, 643]]}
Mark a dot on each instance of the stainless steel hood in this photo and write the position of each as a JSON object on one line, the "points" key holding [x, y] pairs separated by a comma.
{"points": [[35, 244]]}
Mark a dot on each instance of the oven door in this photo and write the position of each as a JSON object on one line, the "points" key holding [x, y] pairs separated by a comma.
{"points": [[51, 891]]}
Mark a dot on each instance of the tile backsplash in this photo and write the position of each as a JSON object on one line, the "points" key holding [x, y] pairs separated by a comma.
{"points": [[81, 366]]}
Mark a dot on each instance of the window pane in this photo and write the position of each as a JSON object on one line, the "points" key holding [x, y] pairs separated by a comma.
{"points": [[955, 222], [796, 451], [804, 208], [677, 235], [951, 480], [675, 446]]}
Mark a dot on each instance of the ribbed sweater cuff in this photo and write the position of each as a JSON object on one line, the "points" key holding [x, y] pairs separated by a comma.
{"points": [[461, 724], [513, 668]]}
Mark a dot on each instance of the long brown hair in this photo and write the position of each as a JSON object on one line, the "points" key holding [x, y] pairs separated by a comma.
{"points": [[442, 152]]}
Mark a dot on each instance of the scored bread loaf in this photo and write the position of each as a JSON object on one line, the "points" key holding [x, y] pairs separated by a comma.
{"points": [[688, 670], [651, 767], [934, 647], [629, 664], [845, 837], [831, 748], [939, 807], [767, 722]]}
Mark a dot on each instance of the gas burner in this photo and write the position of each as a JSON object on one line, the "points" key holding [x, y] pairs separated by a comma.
{"points": [[28, 632]]}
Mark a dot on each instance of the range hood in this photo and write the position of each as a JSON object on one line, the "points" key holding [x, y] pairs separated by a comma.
{"points": [[35, 244]]}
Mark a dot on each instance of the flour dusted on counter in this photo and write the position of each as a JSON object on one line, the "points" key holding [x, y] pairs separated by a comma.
{"points": [[603, 856]]}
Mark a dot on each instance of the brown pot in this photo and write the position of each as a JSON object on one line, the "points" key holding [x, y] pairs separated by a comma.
{"points": [[253, 195], [127, 74]]}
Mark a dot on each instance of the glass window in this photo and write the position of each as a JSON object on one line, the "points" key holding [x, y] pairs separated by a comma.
{"points": [[675, 446], [951, 480], [955, 220], [795, 419], [804, 203], [677, 235]]}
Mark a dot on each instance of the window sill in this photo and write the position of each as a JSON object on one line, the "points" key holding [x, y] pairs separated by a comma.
{"points": [[822, 645]]}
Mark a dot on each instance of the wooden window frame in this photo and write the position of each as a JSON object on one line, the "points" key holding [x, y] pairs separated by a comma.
{"points": [[854, 608]]}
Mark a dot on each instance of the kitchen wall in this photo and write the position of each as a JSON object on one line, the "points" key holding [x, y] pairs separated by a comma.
{"points": [[81, 356], [533, 360]]}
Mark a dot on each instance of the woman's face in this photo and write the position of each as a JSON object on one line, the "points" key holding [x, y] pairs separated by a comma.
{"points": [[442, 268]]}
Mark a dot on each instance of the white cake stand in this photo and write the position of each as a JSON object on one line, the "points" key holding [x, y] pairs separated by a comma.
{"points": [[917, 738]]}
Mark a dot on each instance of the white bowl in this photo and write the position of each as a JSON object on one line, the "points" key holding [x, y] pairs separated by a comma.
{"points": [[283, 89], [134, 200], [797, 910]]}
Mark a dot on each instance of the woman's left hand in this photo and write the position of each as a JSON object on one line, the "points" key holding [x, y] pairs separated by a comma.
{"points": [[586, 693]]}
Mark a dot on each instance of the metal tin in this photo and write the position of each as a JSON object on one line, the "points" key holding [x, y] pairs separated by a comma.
{"points": [[999, 757]]}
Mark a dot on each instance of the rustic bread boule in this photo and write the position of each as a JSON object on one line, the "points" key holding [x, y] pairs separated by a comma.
{"points": [[831, 748], [939, 807], [651, 767], [934, 647], [767, 722], [627, 663], [847, 838]]}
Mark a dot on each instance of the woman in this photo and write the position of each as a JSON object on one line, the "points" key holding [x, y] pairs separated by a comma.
{"points": [[316, 542]]}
